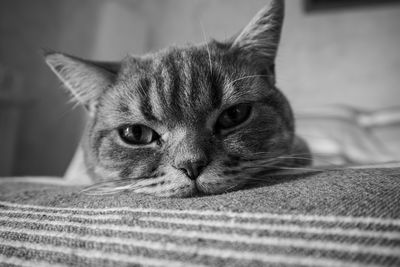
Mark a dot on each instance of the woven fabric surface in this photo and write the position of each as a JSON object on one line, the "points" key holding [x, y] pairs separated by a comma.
{"points": [[331, 218]]}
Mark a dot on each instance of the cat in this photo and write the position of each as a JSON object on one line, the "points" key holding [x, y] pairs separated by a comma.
{"points": [[185, 121]]}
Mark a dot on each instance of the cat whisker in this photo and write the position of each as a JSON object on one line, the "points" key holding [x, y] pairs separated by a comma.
{"points": [[301, 156], [246, 77], [299, 168], [292, 157], [328, 162], [115, 186], [230, 188], [283, 167], [291, 154], [207, 46]]}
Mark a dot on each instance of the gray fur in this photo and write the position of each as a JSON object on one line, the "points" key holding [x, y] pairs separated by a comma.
{"points": [[180, 93]]}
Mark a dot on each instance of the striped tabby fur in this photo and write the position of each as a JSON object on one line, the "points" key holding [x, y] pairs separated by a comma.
{"points": [[180, 93]]}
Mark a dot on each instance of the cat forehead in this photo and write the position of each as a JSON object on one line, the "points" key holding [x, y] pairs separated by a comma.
{"points": [[183, 85]]}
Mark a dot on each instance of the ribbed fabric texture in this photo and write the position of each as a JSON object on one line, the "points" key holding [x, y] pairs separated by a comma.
{"points": [[332, 218]]}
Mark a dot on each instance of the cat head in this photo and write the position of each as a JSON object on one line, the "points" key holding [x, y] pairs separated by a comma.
{"points": [[202, 118]]}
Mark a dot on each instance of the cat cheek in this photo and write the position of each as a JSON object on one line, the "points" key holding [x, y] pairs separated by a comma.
{"points": [[139, 170], [148, 167], [219, 184], [103, 174]]}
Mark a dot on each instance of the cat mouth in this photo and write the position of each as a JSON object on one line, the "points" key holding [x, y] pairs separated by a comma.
{"points": [[202, 189], [198, 189]]}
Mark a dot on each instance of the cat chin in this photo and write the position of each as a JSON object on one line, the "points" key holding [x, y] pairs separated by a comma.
{"points": [[212, 188], [189, 188], [210, 183], [199, 189], [181, 191], [175, 185]]}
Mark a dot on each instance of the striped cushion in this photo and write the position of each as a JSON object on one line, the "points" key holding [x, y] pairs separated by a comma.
{"points": [[334, 218]]}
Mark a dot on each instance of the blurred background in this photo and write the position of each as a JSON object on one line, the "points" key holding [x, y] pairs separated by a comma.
{"points": [[338, 63]]}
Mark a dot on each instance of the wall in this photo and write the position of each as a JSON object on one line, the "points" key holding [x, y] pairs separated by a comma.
{"points": [[344, 56], [349, 57], [50, 128]]}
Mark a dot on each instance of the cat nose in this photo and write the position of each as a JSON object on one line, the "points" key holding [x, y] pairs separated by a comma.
{"points": [[192, 168]]}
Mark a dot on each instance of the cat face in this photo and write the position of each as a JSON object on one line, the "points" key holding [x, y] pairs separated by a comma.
{"points": [[188, 125], [197, 119]]}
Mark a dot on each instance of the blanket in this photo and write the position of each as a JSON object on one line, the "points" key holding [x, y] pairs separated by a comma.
{"points": [[329, 218]]}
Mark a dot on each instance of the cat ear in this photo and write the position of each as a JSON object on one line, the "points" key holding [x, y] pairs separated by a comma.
{"points": [[86, 79], [259, 40]]}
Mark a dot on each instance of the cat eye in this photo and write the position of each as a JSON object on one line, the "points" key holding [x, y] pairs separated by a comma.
{"points": [[137, 134], [233, 116]]}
